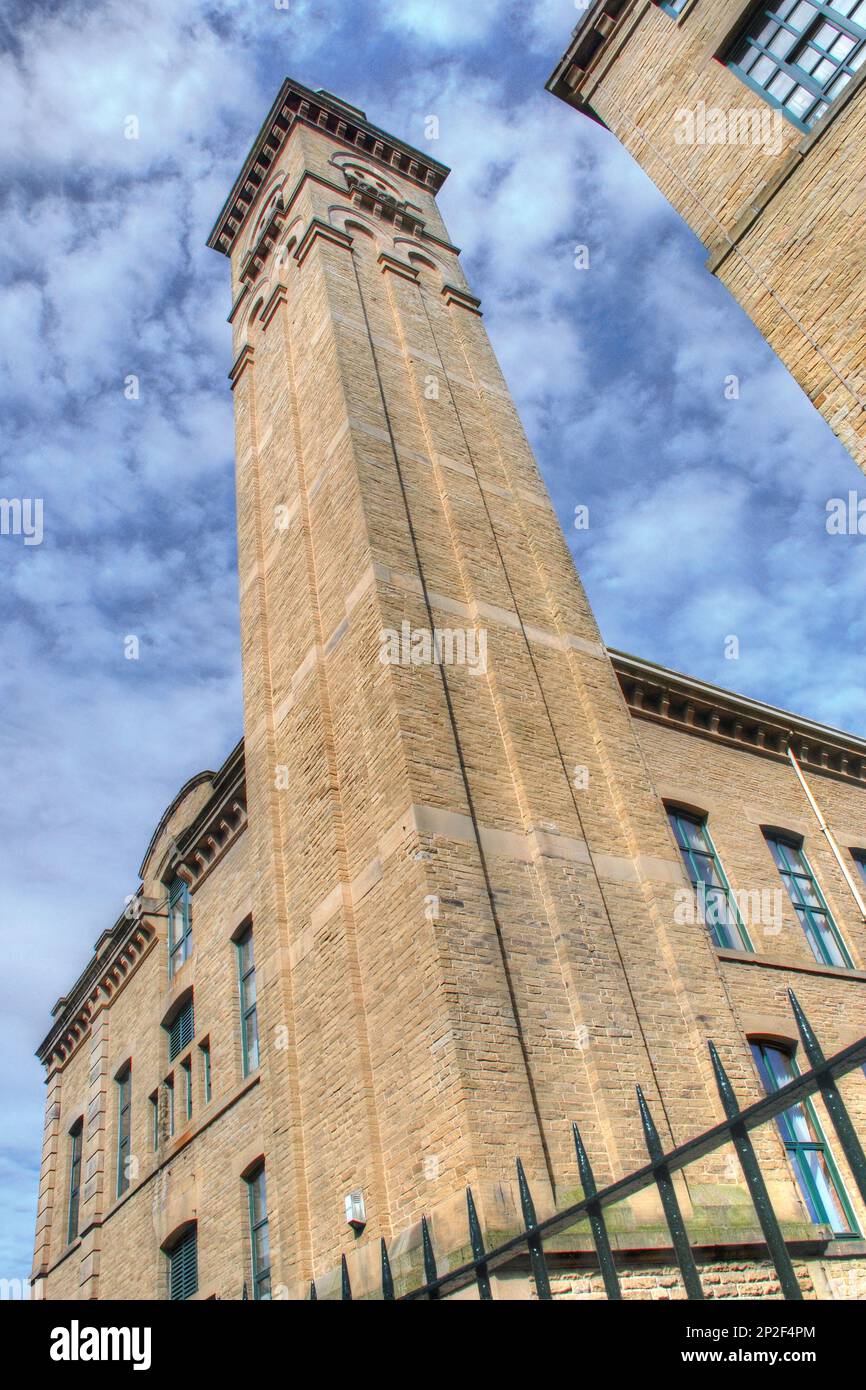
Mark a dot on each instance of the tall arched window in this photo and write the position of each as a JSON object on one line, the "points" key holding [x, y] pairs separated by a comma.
{"points": [[259, 1241], [810, 1154], [716, 900], [808, 901], [179, 925], [249, 1012], [124, 1127], [75, 1138]]}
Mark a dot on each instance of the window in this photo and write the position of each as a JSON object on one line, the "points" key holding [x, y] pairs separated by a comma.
{"points": [[179, 925], [183, 1266], [801, 54], [260, 1246], [249, 1022], [809, 1152], [703, 866], [75, 1135], [204, 1049], [182, 1030], [673, 7], [169, 1104], [859, 857], [154, 1119], [809, 903], [186, 1068], [124, 1127]]}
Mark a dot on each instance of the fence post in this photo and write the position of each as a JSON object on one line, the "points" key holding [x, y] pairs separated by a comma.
{"points": [[596, 1220], [756, 1185], [533, 1239], [387, 1278], [430, 1272], [482, 1278], [673, 1215]]}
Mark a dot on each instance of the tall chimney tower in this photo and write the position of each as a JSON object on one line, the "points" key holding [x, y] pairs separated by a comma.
{"points": [[464, 879]]}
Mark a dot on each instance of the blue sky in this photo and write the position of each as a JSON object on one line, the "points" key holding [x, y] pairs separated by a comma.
{"points": [[707, 515]]}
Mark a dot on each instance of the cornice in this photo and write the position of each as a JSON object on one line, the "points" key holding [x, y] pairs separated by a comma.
{"points": [[319, 229], [242, 294], [296, 104], [104, 977], [279, 295], [212, 834], [694, 707], [392, 265], [219, 821], [590, 39], [167, 814], [452, 294], [244, 357]]}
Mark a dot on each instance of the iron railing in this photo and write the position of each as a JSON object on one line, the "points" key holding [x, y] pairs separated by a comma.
{"points": [[735, 1128]]}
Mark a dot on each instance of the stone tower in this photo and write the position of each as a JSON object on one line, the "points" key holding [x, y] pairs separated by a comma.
{"points": [[463, 878]]}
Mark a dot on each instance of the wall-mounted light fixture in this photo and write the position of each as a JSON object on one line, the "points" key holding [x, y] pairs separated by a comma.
{"points": [[356, 1212]]}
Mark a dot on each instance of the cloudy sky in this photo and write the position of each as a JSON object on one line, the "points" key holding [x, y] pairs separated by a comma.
{"points": [[707, 515]]}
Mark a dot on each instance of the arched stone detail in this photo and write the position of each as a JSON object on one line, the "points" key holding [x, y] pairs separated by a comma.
{"points": [[351, 166], [413, 249], [373, 192], [349, 220], [178, 1214], [266, 201]]}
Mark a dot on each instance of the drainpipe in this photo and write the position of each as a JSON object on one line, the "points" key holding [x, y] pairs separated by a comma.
{"points": [[837, 853]]}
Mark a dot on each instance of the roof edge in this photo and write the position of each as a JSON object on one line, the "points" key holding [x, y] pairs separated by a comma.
{"points": [[343, 111], [747, 705]]}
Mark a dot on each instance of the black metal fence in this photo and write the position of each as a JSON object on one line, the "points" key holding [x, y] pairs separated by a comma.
{"points": [[820, 1079]]}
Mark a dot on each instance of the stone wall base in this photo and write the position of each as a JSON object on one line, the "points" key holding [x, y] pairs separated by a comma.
{"points": [[830, 1276]]}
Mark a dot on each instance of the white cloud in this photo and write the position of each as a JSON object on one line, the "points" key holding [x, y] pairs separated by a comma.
{"points": [[445, 22], [544, 25]]}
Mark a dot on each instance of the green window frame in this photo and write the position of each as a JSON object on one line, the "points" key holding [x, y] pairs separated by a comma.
{"points": [[182, 1031], [169, 1104], [154, 1119], [186, 1068], [76, 1134], [179, 925], [124, 1127], [800, 55], [247, 989], [260, 1252], [204, 1049], [673, 7], [810, 1155], [707, 876], [808, 901], [183, 1266]]}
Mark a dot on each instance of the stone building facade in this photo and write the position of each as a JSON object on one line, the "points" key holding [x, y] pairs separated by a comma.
{"points": [[751, 121], [437, 907]]}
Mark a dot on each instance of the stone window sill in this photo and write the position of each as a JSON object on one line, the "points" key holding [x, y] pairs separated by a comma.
{"points": [[799, 967]]}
